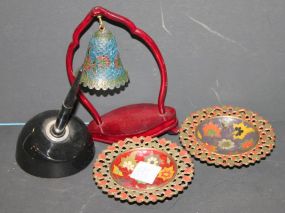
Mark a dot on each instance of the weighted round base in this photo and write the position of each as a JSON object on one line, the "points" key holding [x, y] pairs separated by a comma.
{"points": [[43, 154]]}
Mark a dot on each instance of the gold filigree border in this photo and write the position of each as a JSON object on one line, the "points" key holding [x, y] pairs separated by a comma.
{"points": [[104, 180], [263, 147]]}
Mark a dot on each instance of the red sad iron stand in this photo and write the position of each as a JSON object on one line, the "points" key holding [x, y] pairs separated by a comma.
{"points": [[144, 119]]}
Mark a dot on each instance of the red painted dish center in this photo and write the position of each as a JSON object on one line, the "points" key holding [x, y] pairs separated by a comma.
{"points": [[124, 164]]}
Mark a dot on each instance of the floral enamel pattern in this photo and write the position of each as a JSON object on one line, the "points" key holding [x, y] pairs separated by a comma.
{"points": [[166, 173], [103, 61], [102, 67], [212, 130], [127, 161], [241, 131], [118, 62], [153, 159], [227, 136], [114, 166], [226, 144]]}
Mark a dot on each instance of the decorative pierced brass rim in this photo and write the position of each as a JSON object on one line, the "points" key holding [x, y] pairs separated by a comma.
{"points": [[183, 176], [264, 145]]}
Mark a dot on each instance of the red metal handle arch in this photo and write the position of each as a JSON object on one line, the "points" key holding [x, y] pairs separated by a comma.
{"points": [[134, 31]]}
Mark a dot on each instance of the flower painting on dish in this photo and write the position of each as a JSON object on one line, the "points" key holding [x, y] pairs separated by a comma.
{"points": [[125, 163], [226, 135]]}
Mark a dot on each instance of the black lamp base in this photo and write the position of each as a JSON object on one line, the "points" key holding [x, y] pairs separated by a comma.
{"points": [[43, 154]]}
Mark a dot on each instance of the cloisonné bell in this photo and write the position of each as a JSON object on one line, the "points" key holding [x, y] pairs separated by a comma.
{"points": [[102, 67], [103, 70]]}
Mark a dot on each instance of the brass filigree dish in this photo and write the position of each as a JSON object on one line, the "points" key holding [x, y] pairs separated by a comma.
{"points": [[114, 169], [227, 136]]}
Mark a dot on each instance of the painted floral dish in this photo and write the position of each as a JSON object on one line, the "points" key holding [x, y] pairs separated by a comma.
{"points": [[227, 136], [143, 170]]}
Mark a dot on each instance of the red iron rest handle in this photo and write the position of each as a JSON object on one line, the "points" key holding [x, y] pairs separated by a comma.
{"points": [[96, 11]]}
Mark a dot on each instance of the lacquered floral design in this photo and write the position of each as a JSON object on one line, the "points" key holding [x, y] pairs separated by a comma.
{"points": [[88, 64], [118, 62], [153, 159], [227, 136], [127, 161], [247, 144], [166, 173], [224, 134], [129, 165], [211, 130], [210, 147], [241, 131], [226, 144], [199, 135], [114, 166], [117, 171], [103, 62]]}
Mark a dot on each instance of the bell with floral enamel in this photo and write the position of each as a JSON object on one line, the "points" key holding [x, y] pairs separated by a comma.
{"points": [[102, 67]]}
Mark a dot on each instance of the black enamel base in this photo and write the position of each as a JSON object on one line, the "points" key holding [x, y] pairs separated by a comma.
{"points": [[41, 155]]}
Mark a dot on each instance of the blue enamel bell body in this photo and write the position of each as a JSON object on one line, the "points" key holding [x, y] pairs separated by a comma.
{"points": [[102, 67]]}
